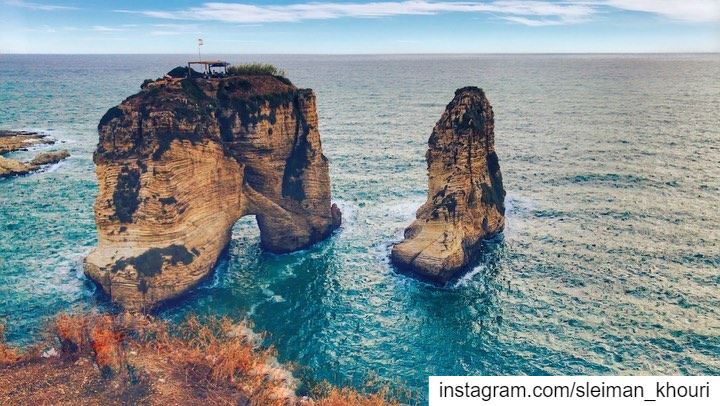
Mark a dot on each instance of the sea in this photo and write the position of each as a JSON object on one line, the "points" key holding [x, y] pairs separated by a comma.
{"points": [[609, 264]]}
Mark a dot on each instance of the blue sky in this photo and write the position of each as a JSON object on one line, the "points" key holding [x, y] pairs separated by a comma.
{"points": [[359, 26]]}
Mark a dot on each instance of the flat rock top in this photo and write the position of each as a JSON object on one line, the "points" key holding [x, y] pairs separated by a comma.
{"points": [[12, 133], [175, 94], [238, 86]]}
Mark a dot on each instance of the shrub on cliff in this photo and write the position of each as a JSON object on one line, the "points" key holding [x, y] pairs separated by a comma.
{"points": [[181, 72], [259, 69], [8, 355], [255, 69]]}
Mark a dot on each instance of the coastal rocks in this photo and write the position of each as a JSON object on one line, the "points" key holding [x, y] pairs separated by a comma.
{"points": [[21, 140], [47, 158], [180, 162], [11, 141], [465, 192]]}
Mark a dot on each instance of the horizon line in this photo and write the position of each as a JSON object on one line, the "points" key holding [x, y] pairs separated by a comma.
{"points": [[383, 53]]}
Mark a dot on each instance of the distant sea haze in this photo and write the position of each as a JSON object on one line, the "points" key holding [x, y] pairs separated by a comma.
{"points": [[609, 263]]}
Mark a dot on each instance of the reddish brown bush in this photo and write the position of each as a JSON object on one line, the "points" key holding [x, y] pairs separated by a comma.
{"points": [[213, 359], [8, 355], [71, 330], [350, 397], [106, 343]]}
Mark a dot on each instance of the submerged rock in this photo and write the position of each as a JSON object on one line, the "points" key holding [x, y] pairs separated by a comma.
{"points": [[180, 162], [465, 192]]}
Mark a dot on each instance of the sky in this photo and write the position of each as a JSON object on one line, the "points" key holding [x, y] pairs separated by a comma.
{"points": [[359, 26]]}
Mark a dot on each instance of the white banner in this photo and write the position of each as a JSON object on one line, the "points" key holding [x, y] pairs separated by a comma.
{"points": [[574, 390]]}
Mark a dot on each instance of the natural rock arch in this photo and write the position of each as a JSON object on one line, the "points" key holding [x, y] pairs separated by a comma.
{"points": [[180, 162]]}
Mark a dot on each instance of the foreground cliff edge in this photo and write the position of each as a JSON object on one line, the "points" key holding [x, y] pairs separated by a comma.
{"points": [[135, 359], [465, 192], [180, 162]]}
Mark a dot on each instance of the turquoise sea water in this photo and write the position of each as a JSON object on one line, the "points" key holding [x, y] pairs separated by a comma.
{"points": [[610, 263]]}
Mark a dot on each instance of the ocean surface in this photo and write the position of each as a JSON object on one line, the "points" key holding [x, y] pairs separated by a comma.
{"points": [[610, 263]]}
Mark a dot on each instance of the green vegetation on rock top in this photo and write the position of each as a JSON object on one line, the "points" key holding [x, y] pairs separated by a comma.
{"points": [[255, 69]]}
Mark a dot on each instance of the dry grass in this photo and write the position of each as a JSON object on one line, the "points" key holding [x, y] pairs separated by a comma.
{"points": [[106, 343], [350, 397], [218, 351], [255, 69], [8, 355], [144, 360], [100, 336]]}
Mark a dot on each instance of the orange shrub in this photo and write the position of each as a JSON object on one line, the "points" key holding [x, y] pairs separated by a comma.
{"points": [[350, 397], [106, 343], [234, 358], [8, 355], [71, 330]]}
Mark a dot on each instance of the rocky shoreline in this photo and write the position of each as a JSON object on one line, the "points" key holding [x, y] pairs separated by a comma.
{"points": [[11, 141]]}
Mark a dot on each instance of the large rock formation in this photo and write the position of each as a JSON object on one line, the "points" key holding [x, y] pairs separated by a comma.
{"points": [[465, 192], [180, 162]]}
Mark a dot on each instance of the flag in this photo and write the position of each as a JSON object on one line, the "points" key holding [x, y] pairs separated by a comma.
{"points": [[200, 41]]}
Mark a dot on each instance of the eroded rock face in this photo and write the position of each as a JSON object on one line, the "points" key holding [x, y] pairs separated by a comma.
{"points": [[180, 162], [465, 192]]}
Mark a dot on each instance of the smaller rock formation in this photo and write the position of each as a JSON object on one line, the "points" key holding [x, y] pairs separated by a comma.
{"points": [[11, 141], [465, 192], [47, 158]]}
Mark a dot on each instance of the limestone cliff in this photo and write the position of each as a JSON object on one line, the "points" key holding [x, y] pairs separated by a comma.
{"points": [[465, 192], [180, 162]]}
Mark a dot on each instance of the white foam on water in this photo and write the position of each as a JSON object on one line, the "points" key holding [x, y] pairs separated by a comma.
{"points": [[468, 277], [52, 168], [267, 292], [251, 311], [401, 213], [348, 209], [215, 281], [405, 209], [76, 258]]}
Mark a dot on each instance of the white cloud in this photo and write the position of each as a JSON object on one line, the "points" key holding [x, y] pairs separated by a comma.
{"points": [[104, 28], [686, 10], [163, 30], [37, 6], [526, 12], [48, 29], [564, 12], [163, 33], [183, 27], [535, 22]]}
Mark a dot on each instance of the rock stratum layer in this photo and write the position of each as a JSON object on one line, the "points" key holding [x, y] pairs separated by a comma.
{"points": [[180, 162], [465, 192]]}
